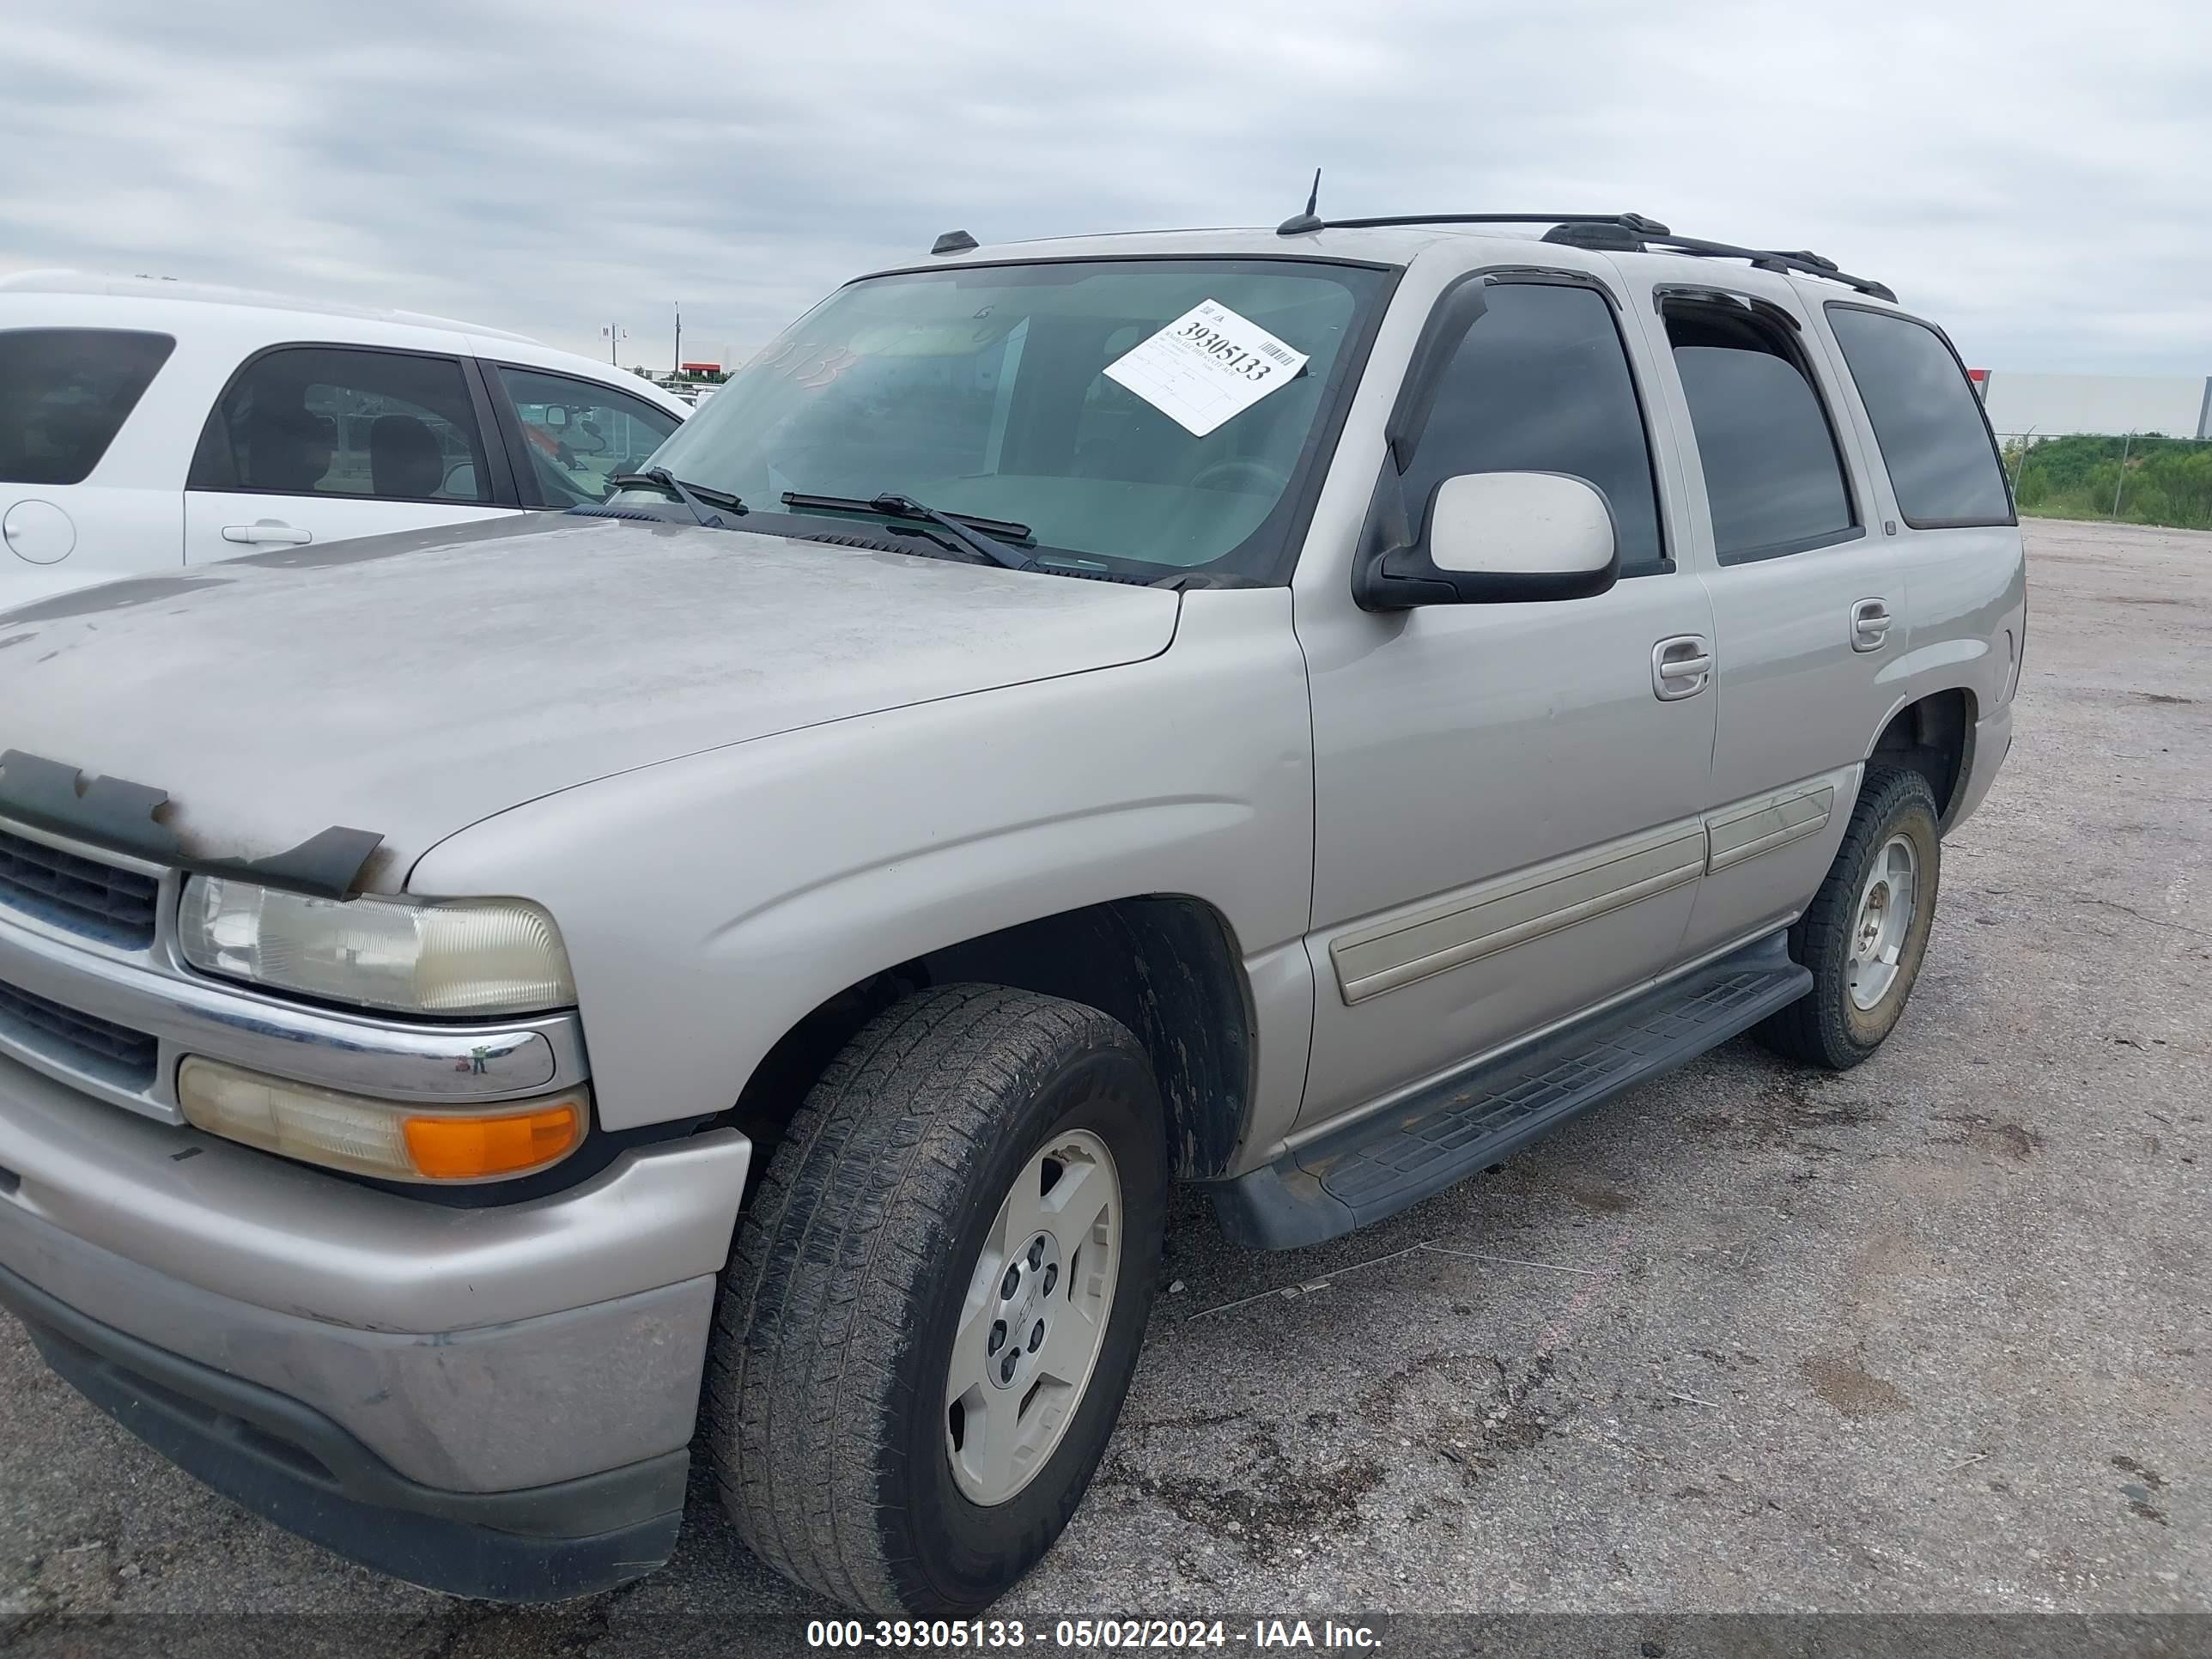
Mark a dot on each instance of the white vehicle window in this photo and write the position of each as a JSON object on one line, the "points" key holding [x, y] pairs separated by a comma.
{"points": [[341, 421], [580, 434], [65, 392]]}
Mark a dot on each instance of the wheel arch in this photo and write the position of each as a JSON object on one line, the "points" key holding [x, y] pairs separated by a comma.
{"points": [[1934, 735], [1164, 964]]}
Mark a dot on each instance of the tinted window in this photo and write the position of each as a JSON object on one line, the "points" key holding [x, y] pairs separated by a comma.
{"points": [[1772, 477], [65, 393], [580, 436], [1541, 385], [325, 420], [1926, 418]]}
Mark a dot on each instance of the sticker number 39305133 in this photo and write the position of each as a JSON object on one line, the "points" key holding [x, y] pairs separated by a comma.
{"points": [[1206, 365]]}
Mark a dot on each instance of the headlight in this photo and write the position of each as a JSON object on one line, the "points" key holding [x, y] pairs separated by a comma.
{"points": [[418, 955], [379, 1137]]}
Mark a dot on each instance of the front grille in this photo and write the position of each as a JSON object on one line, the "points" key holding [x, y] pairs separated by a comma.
{"points": [[97, 901], [114, 1054]]}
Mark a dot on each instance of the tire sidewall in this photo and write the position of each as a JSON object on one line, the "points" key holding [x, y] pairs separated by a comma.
{"points": [[1910, 814], [962, 1553]]}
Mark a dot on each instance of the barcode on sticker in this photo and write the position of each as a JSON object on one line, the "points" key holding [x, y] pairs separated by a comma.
{"points": [[1279, 352]]}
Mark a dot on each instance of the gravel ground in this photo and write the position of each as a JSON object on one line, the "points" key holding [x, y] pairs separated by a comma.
{"points": [[1932, 1336]]}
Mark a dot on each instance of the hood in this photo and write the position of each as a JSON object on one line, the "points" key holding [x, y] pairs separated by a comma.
{"points": [[409, 686]]}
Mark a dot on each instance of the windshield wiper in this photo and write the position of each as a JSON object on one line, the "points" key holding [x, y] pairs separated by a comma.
{"points": [[974, 534], [700, 498]]}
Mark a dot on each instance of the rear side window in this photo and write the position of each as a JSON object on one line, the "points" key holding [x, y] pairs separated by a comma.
{"points": [[1541, 383], [1773, 476], [1927, 420], [65, 392], [338, 421]]}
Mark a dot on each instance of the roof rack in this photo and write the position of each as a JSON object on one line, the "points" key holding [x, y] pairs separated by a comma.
{"points": [[1803, 261], [1618, 232]]}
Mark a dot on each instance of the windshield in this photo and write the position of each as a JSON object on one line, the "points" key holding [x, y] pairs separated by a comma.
{"points": [[982, 390]]}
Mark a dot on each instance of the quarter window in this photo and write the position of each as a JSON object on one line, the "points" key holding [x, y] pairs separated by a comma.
{"points": [[1541, 383], [580, 436], [1774, 479], [1934, 438], [65, 392], [331, 421]]}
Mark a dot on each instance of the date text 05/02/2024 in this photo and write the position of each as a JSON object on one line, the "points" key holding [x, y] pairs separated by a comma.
{"points": [[1089, 1635]]}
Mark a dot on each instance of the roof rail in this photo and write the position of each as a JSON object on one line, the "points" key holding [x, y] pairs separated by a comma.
{"points": [[1637, 222], [1803, 261], [1616, 232]]}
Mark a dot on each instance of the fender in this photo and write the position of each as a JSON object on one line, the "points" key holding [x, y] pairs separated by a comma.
{"points": [[710, 903]]}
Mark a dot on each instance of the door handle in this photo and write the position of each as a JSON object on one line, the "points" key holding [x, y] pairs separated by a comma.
{"points": [[263, 532], [1870, 621], [1680, 667]]}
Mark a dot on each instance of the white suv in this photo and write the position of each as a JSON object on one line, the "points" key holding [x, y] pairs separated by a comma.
{"points": [[146, 424]]}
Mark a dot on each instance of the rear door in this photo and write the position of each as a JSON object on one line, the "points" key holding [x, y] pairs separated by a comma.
{"points": [[1807, 601], [315, 443], [89, 470]]}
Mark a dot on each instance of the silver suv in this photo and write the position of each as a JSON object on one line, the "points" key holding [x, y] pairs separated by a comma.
{"points": [[489, 1014]]}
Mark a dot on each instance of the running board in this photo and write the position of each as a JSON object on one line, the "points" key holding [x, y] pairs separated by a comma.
{"points": [[1398, 1157]]}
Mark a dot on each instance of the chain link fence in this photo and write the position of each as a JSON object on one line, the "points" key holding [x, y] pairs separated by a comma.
{"points": [[2132, 479]]}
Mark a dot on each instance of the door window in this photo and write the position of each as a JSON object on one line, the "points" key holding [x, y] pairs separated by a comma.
{"points": [[1541, 383], [1774, 478], [1929, 424], [580, 434], [65, 392], [335, 420]]}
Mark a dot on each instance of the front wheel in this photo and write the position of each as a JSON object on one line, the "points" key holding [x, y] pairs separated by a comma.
{"points": [[1866, 931], [938, 1298]]}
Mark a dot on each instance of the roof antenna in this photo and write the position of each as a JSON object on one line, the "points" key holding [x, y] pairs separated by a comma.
{"points": [[1300, 224]]}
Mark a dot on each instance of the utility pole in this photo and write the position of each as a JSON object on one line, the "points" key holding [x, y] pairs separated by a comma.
{"points": [[614, 334], [676, 367], [2121, 483]]}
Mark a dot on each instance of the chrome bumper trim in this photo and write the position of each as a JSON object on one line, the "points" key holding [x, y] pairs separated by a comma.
{"points": [[384, 1058], [153, 993]]}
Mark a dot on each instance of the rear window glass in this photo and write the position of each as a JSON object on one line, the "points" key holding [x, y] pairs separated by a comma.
{"points": [[1926, 418], [65, 393]]}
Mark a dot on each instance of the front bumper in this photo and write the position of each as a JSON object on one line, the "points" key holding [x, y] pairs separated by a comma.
{"points": [[419, 1386], [295, 1467]]}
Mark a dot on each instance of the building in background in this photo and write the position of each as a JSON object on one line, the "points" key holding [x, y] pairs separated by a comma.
{"points": [[2111, 405]]}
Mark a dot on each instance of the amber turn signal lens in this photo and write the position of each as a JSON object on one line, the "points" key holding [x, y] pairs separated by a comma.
{"points": [[390, 1138], [473, 1148]]}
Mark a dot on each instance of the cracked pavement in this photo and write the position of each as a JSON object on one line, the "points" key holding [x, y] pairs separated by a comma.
{"points": [[1932, 1335]]}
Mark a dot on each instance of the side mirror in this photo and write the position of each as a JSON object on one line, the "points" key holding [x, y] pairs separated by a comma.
{"points": [[1494, 536], [556, 415]]}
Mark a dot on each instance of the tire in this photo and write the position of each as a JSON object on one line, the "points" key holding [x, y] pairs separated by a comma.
{"points": [[1828, 1027], [827, 1411]]}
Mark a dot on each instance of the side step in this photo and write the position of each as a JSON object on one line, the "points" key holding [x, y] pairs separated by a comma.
{"points": [[1396, 1158]]}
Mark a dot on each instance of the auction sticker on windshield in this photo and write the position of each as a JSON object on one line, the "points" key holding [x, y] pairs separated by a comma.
{"points": [[1207, 365]]}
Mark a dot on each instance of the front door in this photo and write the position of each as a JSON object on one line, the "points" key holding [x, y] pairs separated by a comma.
{"points": [[312, 444], [1507, 796]]}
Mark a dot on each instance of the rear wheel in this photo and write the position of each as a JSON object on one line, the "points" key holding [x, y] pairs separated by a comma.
{"points": [[938, 1298], [1866, 932]]}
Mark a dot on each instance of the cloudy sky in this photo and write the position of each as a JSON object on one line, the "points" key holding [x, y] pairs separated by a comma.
{"points": [[2034, 174]]}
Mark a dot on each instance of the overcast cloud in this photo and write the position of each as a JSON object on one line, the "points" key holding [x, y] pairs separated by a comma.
{"points": [[2033, 174]]}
